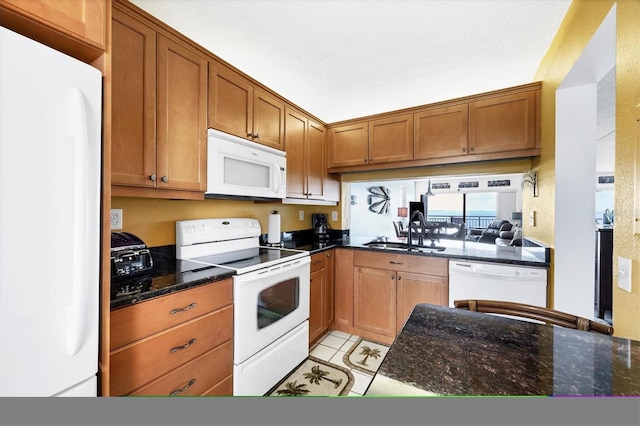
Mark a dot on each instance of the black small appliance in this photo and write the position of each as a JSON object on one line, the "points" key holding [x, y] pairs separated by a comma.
{"points": [[321, 226], [131, 265]]}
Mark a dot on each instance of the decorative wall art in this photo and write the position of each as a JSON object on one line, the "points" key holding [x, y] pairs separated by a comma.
{"points": [[378, 199]]}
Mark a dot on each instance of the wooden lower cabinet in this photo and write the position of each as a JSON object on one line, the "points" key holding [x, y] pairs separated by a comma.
{"points": [[321, 294], [187, 351], [412, 289], [387, 286], [374, 300], [343, 287], [200, 376]]}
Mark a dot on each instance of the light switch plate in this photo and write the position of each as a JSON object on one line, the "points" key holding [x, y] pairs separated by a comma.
{"points": [[624, 273], [301, 215]]}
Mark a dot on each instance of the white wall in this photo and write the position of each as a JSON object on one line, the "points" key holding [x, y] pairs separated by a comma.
{"points": [[365, 223], [575, 181]]}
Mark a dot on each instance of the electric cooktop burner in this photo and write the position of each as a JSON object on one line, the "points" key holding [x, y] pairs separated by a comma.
{"points": [[228, 243]]}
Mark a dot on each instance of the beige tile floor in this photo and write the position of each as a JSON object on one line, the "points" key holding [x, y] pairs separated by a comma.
{"points": [[332, 347]]}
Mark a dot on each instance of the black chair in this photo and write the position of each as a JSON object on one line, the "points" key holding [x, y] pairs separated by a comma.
{"points": [[548, 316], [450, 231]]}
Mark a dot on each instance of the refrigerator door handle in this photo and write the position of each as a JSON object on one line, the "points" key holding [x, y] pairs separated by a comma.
{"points": [[79, 138]]}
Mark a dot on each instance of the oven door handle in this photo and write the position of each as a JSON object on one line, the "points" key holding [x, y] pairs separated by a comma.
{"points": [[274, 270]]}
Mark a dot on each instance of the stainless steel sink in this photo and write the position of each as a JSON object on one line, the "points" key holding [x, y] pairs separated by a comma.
{"points": [[404, 246]]}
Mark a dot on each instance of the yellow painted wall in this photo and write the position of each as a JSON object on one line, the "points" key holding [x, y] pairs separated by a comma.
{"points": [[581, 22], [154, 220]]}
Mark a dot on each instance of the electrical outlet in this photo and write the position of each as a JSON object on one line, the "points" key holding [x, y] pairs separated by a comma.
{"points": [[116, 219], [334, 216], [301, 215]]}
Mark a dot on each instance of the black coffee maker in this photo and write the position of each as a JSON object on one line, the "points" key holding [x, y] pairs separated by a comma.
{"points": [[320, 226]]}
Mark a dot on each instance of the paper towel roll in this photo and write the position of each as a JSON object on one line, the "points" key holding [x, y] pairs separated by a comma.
{"points": [[274, 228]]}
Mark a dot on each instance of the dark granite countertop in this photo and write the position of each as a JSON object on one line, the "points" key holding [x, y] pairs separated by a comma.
{"points": [[170, 275], [530, 254], [449, 351]]}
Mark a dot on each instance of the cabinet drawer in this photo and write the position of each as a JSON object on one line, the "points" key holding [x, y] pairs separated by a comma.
{"points": [[137, 364], [318, 261], [144, 319], [402, 262], [224, 388], [195, 377]]}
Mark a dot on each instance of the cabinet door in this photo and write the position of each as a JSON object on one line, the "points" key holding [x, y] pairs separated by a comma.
{"points": [[182, 117], [391, 139], [315, 161], [329, 290], [268, 120], [343, 290], [374, 302], [230, 102], [349, 145], [504, 123], [133, 112], [441, 132], [62, 23], [295, 137], [316, 304], [417, 288]]}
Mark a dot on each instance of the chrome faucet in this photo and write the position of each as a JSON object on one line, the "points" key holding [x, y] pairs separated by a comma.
{"points": [[423, 225]]}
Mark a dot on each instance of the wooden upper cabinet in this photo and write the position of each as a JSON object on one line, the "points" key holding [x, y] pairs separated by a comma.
{"points": [[268, 120], [349, 145], [76, 27], [295, 139], [230, 102], [182, 117], [391, 139], [159, 102], [133, 112], [503, 123], [305, 142], [236, 107], [441, 132]]}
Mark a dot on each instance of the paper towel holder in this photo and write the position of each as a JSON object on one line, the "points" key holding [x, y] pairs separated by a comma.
{"points": [[274, 238]]}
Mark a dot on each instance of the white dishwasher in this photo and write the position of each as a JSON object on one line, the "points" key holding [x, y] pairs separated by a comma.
{"points": [[497, 281]]}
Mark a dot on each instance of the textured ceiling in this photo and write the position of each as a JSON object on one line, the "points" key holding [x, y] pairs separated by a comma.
{"points": [[345, 59]]}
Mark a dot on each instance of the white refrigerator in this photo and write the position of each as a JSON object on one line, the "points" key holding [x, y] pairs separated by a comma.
{"points": [[50, 151]]}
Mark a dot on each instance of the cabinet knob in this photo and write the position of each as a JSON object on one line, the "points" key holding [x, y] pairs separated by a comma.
{"points": [[370, 158], [399, 277], [364, 159], [165, 179], [464, 149], [249, 135], [473, 148], [392, 277], [152, 178], [256, 136]]}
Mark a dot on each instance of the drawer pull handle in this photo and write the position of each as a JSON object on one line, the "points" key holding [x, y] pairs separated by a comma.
{"points": [[396, 263], [317, 262], [187, 386], [186, 308], [185, 346]]}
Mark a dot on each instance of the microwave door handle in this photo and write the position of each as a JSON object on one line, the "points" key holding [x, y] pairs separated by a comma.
{"points": [[276, 178]]}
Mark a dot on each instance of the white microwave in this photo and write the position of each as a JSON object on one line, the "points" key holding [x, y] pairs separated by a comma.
{"points": [[241, 169]]}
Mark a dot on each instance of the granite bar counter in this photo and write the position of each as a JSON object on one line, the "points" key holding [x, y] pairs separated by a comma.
{"points": [[447, 351]]}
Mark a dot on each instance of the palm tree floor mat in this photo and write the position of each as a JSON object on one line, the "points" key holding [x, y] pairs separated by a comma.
{"points": [[314, 377], [365, 355]]}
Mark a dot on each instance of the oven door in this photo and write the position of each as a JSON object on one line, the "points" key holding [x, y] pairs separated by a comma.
{"points": [[268, 303]]}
